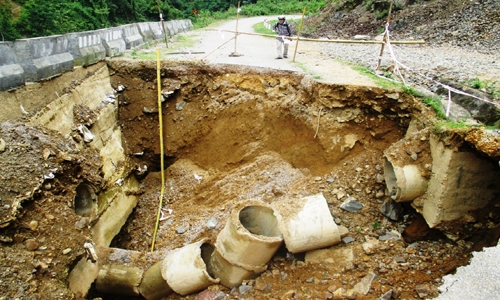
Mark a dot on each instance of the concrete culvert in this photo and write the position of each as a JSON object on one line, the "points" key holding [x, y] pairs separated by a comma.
{"points": [[85, 201], [248, 241], [404, 183]]}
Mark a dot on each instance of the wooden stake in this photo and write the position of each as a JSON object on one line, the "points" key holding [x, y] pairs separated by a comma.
{"points": [[384, 40], [298, 34]]}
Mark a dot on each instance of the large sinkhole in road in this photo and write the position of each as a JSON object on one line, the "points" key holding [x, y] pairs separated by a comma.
{"points": [[233, 133]]}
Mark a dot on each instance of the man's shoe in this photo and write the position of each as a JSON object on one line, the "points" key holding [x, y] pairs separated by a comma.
{"points": [[279, 57], [285, 56]]}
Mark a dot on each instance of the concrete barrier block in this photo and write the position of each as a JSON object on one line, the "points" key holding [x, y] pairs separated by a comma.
{"points": [[171, 27], [132, 36], [145, 31], [113, 42], [86, 48], [11, 73], [44, 57], [157, 30]]}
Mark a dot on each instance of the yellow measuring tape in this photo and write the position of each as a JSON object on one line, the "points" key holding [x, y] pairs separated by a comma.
{"points": [[160, 119]]}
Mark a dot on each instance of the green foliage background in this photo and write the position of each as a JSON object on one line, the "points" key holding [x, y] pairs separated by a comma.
{"points": [[34, 18]]}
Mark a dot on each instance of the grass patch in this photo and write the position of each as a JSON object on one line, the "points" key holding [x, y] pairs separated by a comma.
{"points": [[485, 86], [382, 82], [446, 126], [304, 68]]}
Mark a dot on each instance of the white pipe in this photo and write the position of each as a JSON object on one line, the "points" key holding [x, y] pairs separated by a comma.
{"points": [[306, 224], [185, 270], [404, 183]]}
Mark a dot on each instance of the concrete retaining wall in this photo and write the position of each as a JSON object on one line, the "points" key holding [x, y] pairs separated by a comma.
{"points": [[35, 59], [11, 73]]}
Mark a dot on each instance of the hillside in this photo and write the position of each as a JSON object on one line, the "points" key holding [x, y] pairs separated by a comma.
{"points": [[470, 24]]}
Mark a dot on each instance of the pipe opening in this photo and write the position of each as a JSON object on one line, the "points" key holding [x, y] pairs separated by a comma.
{"points": [[206, 253], [85, 201], [260, 220], [390, 179]]}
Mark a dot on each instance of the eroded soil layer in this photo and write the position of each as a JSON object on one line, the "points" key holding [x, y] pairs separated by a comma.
{"points": [[231, 133]]}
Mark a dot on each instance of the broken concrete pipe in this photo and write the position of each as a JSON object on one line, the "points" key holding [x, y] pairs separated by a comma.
{"points": [[153, 286], [405, 183], [247, 242], [119, 280], [306, 223], [185, 269]]}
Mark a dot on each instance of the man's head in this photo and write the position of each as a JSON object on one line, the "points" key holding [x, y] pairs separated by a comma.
{"points": [[281, 19]]}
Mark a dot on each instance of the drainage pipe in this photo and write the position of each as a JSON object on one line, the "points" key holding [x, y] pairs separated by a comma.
{"points": [[119, 280], [185, 269], [247, 242], [306, 224], [153, 286], [405, 183]]}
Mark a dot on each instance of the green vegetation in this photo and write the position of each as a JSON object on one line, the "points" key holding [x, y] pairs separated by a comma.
{"points": [[485, 86], [445, 126], [376, 225], [42, 18]]}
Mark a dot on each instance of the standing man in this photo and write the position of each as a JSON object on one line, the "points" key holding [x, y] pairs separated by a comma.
{"points": [[283, 29]]}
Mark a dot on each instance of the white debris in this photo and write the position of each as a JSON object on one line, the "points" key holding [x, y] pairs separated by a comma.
{"points": [[87, 135]]}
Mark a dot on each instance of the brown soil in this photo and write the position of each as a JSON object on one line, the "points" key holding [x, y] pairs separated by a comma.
{"points": [[231, 133]]}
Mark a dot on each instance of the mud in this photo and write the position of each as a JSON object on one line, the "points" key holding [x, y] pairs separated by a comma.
{"points": [[231, 133]]}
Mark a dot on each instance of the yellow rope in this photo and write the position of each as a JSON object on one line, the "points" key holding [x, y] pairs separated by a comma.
{"points": [[160, 118]]}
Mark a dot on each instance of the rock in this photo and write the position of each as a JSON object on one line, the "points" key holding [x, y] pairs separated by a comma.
{"points": [[348, 240], [261, 285], [351, 294], [66, 251], [182, 229], [33, 225], [80, 224], [391, 235], [212, 223], [370, 245], [340, 293], [391, 209], [211, 295], [386, 296], [180, 105], [339, 258], [31, 244], [363, 287], [351, 205], [243, 289], [343, 231], [424, 291], [2, 145]]}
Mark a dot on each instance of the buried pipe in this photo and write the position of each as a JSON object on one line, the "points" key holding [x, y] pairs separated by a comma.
{"points": [[185, 270], [247, 242], [119, 280], [404, 183], [306, 223], [153, 286]]}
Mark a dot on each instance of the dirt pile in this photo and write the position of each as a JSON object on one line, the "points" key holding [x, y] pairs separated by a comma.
{"points": [[470, 24]]}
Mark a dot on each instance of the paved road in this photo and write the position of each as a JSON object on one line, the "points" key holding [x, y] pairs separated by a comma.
{"points": [[260, 51]]}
